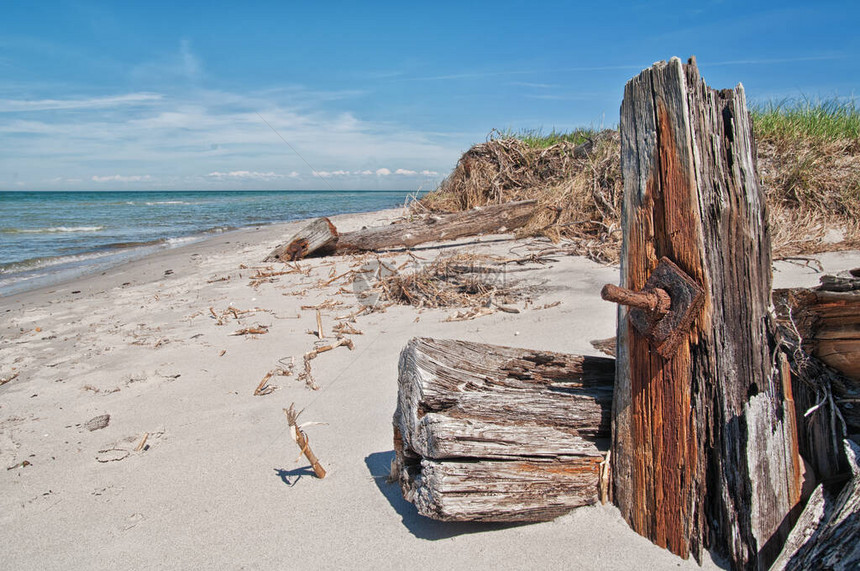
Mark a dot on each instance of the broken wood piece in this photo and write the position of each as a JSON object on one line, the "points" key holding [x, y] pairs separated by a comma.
{"points": [[319, 325], [306, 375], [302, 440], [828, 323], [316, 238], [342, 342], [351, 316], [257, 330], [490, 433], [505, 308], [327, 304], [263, 388], [825, 397], [827, 532], [140, 445], [346, 328], [438, 227]]}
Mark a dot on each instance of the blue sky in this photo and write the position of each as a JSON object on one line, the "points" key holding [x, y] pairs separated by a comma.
{"points": [[367, 95]]}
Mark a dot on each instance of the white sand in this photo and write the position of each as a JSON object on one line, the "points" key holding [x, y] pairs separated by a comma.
{"points": [[219, 485]]}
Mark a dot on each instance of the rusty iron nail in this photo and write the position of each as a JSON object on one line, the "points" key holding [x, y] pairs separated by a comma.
{"points": [[656, 300]]}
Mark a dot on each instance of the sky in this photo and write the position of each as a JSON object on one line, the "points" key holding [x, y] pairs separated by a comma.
{"points": [[362, 95]]}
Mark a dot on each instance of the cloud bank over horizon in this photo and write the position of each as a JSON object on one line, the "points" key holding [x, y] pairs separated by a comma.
{"points": [[207, 139]]}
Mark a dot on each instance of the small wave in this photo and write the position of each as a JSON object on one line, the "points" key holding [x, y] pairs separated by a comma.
{"points": [[52, 230], [173, 242], [47, 262], [160, 202]]}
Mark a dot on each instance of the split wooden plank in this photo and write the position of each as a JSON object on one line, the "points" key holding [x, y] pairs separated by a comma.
{"points": [[489, 433], [317, 238], [704, 450], [828, 323], [827, 532]]}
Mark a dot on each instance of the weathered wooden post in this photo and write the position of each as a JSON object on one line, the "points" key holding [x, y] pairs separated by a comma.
{"points": [[704, 450]]}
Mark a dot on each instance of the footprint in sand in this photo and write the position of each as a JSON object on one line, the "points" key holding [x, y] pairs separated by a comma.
{"points": [[124, 448]]}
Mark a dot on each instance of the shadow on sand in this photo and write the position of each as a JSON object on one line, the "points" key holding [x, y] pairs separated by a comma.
{"points": [[291, 477], [379, 465]]}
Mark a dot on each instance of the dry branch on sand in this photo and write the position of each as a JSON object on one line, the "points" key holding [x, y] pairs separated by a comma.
{"points": [[306, 375], [256, 330], [302, 439], [283, 370], [224, 316]]}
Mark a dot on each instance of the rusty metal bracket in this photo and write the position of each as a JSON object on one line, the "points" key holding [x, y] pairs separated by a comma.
{"points": [[665, 309]]}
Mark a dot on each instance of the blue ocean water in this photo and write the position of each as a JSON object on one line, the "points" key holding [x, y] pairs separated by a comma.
{"points": [[56, 234]]}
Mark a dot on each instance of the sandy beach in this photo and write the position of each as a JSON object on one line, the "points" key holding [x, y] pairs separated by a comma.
{"points": [[216, 483]]}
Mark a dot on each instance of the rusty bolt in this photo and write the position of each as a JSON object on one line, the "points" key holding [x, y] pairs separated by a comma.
{"points": [[656, 300]]}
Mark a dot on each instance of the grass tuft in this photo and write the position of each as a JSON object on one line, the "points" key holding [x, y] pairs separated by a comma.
{"points": [[537, 139], [809, 165], [823, 120]]}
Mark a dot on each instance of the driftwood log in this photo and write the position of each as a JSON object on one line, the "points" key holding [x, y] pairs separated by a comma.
{"points": [[827, 535], [317, 238], [498, 218], [321, 238], [489, 433], [704, 450]]}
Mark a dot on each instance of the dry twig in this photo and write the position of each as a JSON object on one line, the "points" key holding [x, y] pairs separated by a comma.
{"points": [[306, 375], [257, 330], [302, 440]]}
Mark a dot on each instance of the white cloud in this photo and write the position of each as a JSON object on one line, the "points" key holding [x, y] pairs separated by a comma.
{"points": [[178, 138], [22, 105], [405, 172], [429, 173], [247, 175], [328, 174], [121, 178]]}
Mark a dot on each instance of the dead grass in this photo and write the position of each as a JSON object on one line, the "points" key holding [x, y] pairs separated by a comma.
{"points": [[578, 187], [459, 280], [812, 184]]}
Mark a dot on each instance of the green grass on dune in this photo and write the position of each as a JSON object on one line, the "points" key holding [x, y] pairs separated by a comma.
{"points": [[821, 119], [825, 120], [537, 139]]}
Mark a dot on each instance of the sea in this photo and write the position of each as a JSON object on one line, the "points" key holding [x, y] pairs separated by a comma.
{"points": [[52, 237]]}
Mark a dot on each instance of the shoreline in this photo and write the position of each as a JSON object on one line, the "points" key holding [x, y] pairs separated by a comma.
{"points": [[54, 237], [153, 344], [56, 274]]}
